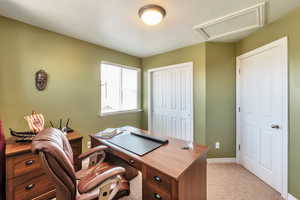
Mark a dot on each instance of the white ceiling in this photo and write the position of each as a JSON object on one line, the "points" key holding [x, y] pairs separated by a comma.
{"points": [[115, 23]]}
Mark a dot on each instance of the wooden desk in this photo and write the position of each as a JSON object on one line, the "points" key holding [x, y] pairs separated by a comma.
{"points": [[25, 178], [169, 172]]}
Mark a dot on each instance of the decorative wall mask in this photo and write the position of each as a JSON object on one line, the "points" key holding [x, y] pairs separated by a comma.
{"points": [[41, 78]]}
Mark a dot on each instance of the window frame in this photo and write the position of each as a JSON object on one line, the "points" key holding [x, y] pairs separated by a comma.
{"points": [[138, 109]]}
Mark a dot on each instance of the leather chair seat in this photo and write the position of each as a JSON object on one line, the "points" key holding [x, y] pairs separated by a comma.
{"points": [[96, 169], [84, 176], [93, 195]]}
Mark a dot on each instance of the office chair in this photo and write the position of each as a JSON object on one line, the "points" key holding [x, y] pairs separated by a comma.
{"points": [[100, 181]]}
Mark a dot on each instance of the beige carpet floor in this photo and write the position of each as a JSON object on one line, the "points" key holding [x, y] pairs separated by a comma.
{"points": [[233, 182], [224, 182]]}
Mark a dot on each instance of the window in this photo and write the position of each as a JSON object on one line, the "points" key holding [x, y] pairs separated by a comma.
{"points": [[120, 87]]}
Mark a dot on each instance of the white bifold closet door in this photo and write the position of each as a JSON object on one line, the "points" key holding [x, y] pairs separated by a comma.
{"points": [[171, 94]]}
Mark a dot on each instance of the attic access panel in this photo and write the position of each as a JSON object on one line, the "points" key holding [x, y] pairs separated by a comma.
{"points": [[237, 22]]}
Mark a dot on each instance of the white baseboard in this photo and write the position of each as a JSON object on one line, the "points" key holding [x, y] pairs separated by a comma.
{"points": [[221, 160], [291, 197]]}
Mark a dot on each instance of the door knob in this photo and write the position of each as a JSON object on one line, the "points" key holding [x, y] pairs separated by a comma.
{"points": [[275, 126]]}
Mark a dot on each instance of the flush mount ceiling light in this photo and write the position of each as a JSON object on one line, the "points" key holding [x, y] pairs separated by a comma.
{"points": [[152, 14]]}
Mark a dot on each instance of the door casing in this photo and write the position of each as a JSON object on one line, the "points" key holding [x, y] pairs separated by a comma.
{"points": [[283, 42]]}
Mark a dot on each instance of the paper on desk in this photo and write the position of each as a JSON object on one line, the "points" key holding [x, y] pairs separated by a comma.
{"points": [[108, 133]]}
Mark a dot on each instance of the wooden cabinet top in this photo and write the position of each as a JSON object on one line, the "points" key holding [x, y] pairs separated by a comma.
{"points": [[13, 148]]}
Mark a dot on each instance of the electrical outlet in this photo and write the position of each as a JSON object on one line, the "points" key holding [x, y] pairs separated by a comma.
{"points": [[217, 145], [89, 144]]}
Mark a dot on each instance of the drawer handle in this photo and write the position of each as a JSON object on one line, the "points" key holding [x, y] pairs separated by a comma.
{"points": [[30, 186], [131, 161], [29, 162], [157, 179], [157, 196]]}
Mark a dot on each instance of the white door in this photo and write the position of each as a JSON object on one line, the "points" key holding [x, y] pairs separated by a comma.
{"points": [[262, 123], [171, 98]]}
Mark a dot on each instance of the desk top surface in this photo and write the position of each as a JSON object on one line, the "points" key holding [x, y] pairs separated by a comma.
{"points": [[170, 159], [13, 148]]}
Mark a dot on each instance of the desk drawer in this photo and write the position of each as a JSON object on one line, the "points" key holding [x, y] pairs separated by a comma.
{"points": [[151, 192], [158, 179], [25, 164], [131, 161], [27, 188]]}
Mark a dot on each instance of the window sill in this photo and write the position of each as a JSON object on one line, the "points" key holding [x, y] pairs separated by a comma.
{"points": [[120, 112]]}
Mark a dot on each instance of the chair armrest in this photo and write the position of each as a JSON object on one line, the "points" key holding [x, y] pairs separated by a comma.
{"points": [[89, 183], [92, 151]]}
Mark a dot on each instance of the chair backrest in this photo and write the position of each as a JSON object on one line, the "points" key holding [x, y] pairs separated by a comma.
{"points": [[57, 157]]}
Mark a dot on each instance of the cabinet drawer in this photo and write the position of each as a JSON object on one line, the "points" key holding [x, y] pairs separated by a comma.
{"points": [[29, 188], [25, 164], [158, 179], [151, 192]]}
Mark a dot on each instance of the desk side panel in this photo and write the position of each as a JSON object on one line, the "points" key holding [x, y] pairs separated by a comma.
{"points": [[193, 183]]}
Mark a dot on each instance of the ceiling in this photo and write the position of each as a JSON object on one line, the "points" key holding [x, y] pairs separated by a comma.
{"points": [[115, 23]]}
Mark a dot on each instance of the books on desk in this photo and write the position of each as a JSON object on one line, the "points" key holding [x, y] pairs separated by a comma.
{"points": [[108, 133], [111, 132]]}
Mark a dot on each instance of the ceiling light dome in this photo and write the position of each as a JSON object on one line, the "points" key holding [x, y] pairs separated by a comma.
{"points": [[152, 14]]}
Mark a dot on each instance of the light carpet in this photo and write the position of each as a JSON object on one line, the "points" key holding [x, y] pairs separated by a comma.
{"points": [[224, 182], [233, 182]]}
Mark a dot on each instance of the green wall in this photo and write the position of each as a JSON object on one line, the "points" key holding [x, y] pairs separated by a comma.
{"points": [[73, 68], [286, 26], [214, 92], [196, 54], [220, 99], [73, 90]]}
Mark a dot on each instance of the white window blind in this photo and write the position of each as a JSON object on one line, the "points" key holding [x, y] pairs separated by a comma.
{"points": [[119, 88]]}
